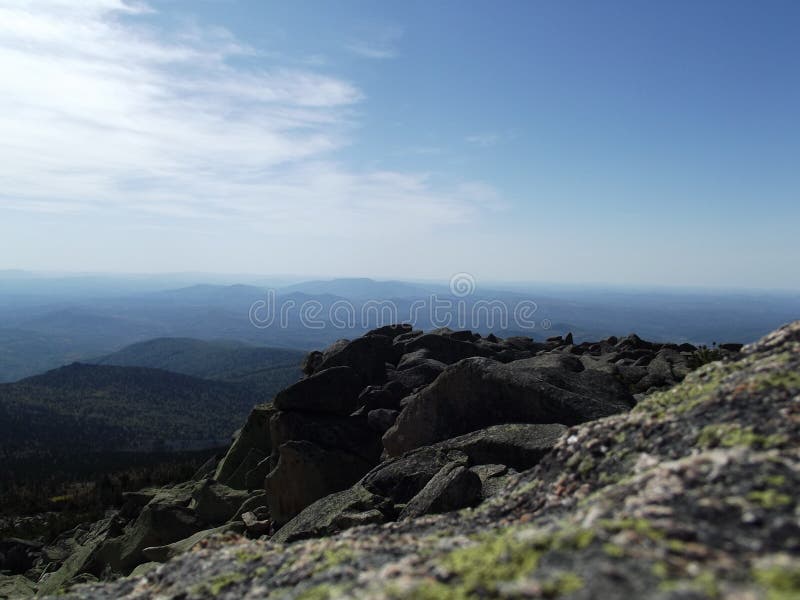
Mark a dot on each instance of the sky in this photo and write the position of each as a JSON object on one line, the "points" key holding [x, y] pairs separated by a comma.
{"points": [[633, 143]]}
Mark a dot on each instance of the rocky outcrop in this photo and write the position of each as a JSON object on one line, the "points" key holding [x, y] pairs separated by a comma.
{"points": [[477, 392], [691, 494], [384, 430]]}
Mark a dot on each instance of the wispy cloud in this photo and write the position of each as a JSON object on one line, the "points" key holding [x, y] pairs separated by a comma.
{"points": [[483, 139], [376, 42], [100, 113]]}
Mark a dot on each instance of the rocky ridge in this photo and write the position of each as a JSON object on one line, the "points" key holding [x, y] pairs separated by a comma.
{"points": [[399, 424]]}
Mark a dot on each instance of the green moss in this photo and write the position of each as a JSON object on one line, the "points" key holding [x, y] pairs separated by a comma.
{"points": [[333, 557], [640, 526], [219, 583], [587, 464], [696, 389], [660, 569], [573, 460], [781, 581], [775, 480], [729, 435], [503, 558], [705, 583], [562, 584], [676, 546], [321, 592], [613, 550], [769, 498], [784, 379], [245, 557]]}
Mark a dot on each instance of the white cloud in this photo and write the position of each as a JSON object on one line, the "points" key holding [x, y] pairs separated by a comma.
{"points": [[100, 113]]}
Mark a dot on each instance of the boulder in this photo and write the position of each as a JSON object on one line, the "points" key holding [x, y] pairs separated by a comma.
{"points": [[254, 503], [477, 392], [255, 526], [307, 472], [392, 331], [381, 396], [238, 479], [493, 478], [254, 434], [517, 445], [157, 525], [350, 434], [143, 569], [215, 503], [366, 355], [16, 586], [419, 375], [254, 479], [314, 359], [333, 513], [401, 479], [452, 488], [381, 419], [160, 554], [411, 359], [18, 556], [85, 558], [334, 390], [207, 469], [444, 348]]}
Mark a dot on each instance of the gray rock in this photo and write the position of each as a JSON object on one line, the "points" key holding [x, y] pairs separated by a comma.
{"points": [[238, 479], [381, 419], [157, 525], [493, 478], [444, 348], [252, 504], [311, 363], [254, 434], [401, 479], [366, 355], [334, 390], [334, 513], [215, 503], [256, 527], [477, 392], [305, 473], [254, 479], [453, 487], [16, 586], [518, 445], [419, 375], [160, 554], [391, 331], [350, 434]]}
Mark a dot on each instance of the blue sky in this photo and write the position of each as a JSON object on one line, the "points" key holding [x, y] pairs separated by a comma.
{"points": [[620, 142]]}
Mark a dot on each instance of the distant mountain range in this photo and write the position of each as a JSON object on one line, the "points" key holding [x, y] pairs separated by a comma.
{"points": [[266, 369], [45, 327]]}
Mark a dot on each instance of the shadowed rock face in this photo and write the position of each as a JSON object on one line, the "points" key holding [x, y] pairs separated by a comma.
{"points": [[477, 392], [691, 494]]}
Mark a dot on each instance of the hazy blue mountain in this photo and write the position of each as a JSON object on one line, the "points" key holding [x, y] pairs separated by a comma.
{"points": [[270, 369], [36, 335], [363, 288]]}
